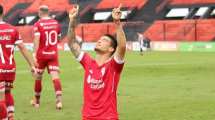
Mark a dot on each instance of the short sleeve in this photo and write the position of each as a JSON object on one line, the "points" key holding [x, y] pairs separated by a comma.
{"points": [[36, 29], [117, 64], [18, 38], [84, 59]]}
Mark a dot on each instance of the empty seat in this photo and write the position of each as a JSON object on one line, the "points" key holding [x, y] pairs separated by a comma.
{"points": [[54, 5], [107, 4], [190, 2]]}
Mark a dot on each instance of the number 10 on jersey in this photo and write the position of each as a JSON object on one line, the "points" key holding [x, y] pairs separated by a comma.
{"points": [[51, 37]]}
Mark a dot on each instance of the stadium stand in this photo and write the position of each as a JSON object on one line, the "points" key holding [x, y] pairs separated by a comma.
{"points": [[148, 17], [54, 5], [181, 30], [9, 5], [108, 4], [190, 2], [93, 31]]}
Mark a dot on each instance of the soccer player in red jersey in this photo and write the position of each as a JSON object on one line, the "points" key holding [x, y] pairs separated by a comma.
{"points": [[102, 74], [9, 38], [46, 38]]}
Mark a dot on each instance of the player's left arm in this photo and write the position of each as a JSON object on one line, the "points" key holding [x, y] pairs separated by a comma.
{"points": [[120, 35], [36, 43]]}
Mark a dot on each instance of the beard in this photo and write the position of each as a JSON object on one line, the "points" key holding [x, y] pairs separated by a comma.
{"points": [[97, 49]]}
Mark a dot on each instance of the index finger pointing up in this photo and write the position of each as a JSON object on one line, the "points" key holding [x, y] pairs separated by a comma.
{"points": [[120, 5]]}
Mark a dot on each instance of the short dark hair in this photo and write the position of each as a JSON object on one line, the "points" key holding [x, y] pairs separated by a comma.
{"points": [[1, 10], [44, 8], [113, 41]]}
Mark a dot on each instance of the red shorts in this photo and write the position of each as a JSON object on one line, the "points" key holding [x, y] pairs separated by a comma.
{"points": [[50, 64], [7, 76]]}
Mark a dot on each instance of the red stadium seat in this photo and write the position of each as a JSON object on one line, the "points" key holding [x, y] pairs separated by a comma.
{"points": [[54, 5], [191, 2], [205, 30], [8, 5], [155, 31], [93, 31], [182, 30], [106, 4]]}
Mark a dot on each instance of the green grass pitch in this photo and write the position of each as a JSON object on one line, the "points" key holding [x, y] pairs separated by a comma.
{"points": [[156, 86]]}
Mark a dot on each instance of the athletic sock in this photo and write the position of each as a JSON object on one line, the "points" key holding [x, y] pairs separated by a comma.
{"points": [[3, 110], [58, 89], [37, 90], [9, 102]]}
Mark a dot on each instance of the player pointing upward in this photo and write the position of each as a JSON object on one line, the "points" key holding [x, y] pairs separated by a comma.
{"points": [[102, 74]]}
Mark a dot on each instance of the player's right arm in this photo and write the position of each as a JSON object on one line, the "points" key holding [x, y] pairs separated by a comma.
{"points": [[36, 41], [72, 43]]}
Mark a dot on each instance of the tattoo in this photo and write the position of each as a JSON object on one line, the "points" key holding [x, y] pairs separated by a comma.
{"points": [[73, 45], [121, 40]]}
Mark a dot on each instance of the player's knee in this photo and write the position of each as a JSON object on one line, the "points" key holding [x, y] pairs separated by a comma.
{"points": [[2, 94], [54, 75], [2, 90], [38, 76], [7, 89]]}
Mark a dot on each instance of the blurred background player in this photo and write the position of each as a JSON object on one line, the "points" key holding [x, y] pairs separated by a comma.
{"points": [[46, 38], [144, 43], [140, 38], [102, 74], [9, 37]]}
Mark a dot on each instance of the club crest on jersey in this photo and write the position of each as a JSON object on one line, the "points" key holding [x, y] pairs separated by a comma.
{"points": [[41, 24]]}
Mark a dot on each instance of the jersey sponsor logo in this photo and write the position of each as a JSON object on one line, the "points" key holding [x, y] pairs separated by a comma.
{"points": [[6, 30], [49, 53], [5, 37], [49, 27], [96, 84], [7, 71], [53, 68], [48, 23]]}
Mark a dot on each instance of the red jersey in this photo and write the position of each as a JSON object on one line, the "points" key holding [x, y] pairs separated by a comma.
{"points": [[49, 30], [100, 86], [9, 37]]}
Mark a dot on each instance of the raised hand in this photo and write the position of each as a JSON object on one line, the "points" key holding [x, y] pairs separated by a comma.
{"points": [[117, 13], [73, 13]]}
